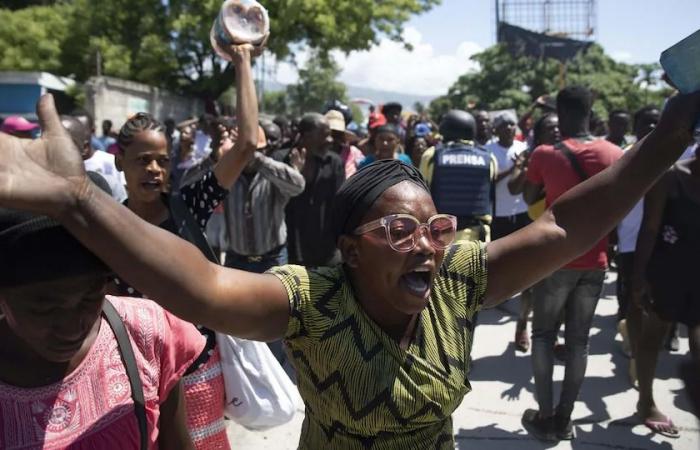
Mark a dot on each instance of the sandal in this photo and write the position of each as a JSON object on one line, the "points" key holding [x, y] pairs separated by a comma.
{"points": [[664, 427]]}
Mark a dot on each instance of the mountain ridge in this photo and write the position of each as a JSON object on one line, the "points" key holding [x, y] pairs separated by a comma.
{"points": [[377, 96]]}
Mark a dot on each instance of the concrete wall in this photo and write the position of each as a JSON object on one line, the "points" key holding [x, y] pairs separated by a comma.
{"points": [[116, 100]]}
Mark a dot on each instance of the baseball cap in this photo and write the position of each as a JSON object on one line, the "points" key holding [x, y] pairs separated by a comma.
{"points": [[376, 120], [421, 130], [15, 124]]}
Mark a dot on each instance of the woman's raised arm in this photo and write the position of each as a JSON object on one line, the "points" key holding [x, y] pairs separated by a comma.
{"points": [[46, 176], [231, 164]]}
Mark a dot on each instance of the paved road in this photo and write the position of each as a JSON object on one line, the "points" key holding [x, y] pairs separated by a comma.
{"points": [[489, 417]]}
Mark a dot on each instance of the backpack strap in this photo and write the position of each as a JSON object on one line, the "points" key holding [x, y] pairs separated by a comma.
{"points": [[572, 160], [187, 227], [132, 371]]}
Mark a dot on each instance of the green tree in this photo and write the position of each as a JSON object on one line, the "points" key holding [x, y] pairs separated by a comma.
{"points": [[322, 25], [357, 115], [507, 81], [275, 103], [316, 86], [31, 39], [19, 4], [167, 43], [129, 39], [419, 108]]}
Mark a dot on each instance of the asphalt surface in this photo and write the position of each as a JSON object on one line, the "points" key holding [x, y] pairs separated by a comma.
{"points": [[502, 388]]}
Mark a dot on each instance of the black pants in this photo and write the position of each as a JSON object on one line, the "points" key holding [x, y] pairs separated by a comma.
{"points": [[503, 226]]}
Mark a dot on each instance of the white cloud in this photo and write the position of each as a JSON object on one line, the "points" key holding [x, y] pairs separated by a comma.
{"points": [[389, 66], [621, 56]]}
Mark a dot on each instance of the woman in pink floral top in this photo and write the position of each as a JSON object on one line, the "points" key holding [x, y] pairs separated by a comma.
{"points": [[63, 384]]}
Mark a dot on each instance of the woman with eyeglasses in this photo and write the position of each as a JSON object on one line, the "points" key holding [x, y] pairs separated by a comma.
{"points": [[381, 342]]}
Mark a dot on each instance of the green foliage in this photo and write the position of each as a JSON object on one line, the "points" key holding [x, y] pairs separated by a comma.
{"points": [[18, 4], [275, 103], [419, 108], [78, 95], [316, 86], [357, 114], [130, 36], [31, 38], [507, 81], [167, 43]]}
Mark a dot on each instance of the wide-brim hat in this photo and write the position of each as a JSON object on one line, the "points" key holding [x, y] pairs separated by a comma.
{"points": [[336, 122]]}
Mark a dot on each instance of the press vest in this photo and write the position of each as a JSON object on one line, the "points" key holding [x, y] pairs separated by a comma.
{"points": [[461, 183]]}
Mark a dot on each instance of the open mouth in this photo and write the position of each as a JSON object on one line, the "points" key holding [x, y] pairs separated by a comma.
{"points": [[152, 185], [417, 282]]}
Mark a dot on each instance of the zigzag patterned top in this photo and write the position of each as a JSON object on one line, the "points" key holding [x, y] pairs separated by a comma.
{"points": [[360, 389]]}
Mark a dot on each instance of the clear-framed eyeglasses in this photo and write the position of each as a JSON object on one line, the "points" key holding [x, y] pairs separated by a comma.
{"points": [[403, 230]]}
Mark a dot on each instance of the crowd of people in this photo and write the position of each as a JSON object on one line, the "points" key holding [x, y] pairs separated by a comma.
{"points": [[361, 252]]}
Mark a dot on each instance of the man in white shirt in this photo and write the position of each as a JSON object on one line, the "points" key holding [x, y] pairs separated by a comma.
{"points": [[103, 163], [95, 161], [511, 210]]}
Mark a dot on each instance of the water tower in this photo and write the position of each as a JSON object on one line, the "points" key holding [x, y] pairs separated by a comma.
{"points": [[572, 19]]}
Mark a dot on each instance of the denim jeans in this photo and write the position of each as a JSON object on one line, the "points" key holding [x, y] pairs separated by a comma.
{"points": [[261, 266], [576, 292]]}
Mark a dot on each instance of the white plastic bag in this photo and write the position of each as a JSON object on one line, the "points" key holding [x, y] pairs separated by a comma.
{"points": [[259, 394]]}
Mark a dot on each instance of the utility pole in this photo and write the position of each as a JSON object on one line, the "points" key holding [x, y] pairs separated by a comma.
{"points": [[98, 62], [498, 17]]}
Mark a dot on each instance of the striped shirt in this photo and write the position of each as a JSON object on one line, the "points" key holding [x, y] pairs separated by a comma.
{"points": [[255, 206], [361, 390]]}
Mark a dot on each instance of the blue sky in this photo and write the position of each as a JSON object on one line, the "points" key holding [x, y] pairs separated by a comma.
{"points": [[633, 31]]}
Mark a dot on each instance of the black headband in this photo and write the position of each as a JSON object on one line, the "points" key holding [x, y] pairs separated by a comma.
{"points": [[357, 195]]}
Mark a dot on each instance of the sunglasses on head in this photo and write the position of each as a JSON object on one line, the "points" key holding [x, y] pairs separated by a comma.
{"points": [[403, 230]]}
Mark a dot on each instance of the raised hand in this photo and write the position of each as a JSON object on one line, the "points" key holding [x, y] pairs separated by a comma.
{"points": [[679, 117], [297, 158], [228, 140], [40, 175], [243, 53], [542, 100]]}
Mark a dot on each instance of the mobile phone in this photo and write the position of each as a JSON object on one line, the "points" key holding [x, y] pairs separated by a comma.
{"points": [[681, 62], [682, 65]]}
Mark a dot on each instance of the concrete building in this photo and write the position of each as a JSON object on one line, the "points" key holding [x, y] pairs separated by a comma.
{"points": [[116, 99], [19, 92], [106, 98]]}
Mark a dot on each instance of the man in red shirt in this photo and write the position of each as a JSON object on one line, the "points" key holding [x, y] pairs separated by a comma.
{"points": [[574, 289]]}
